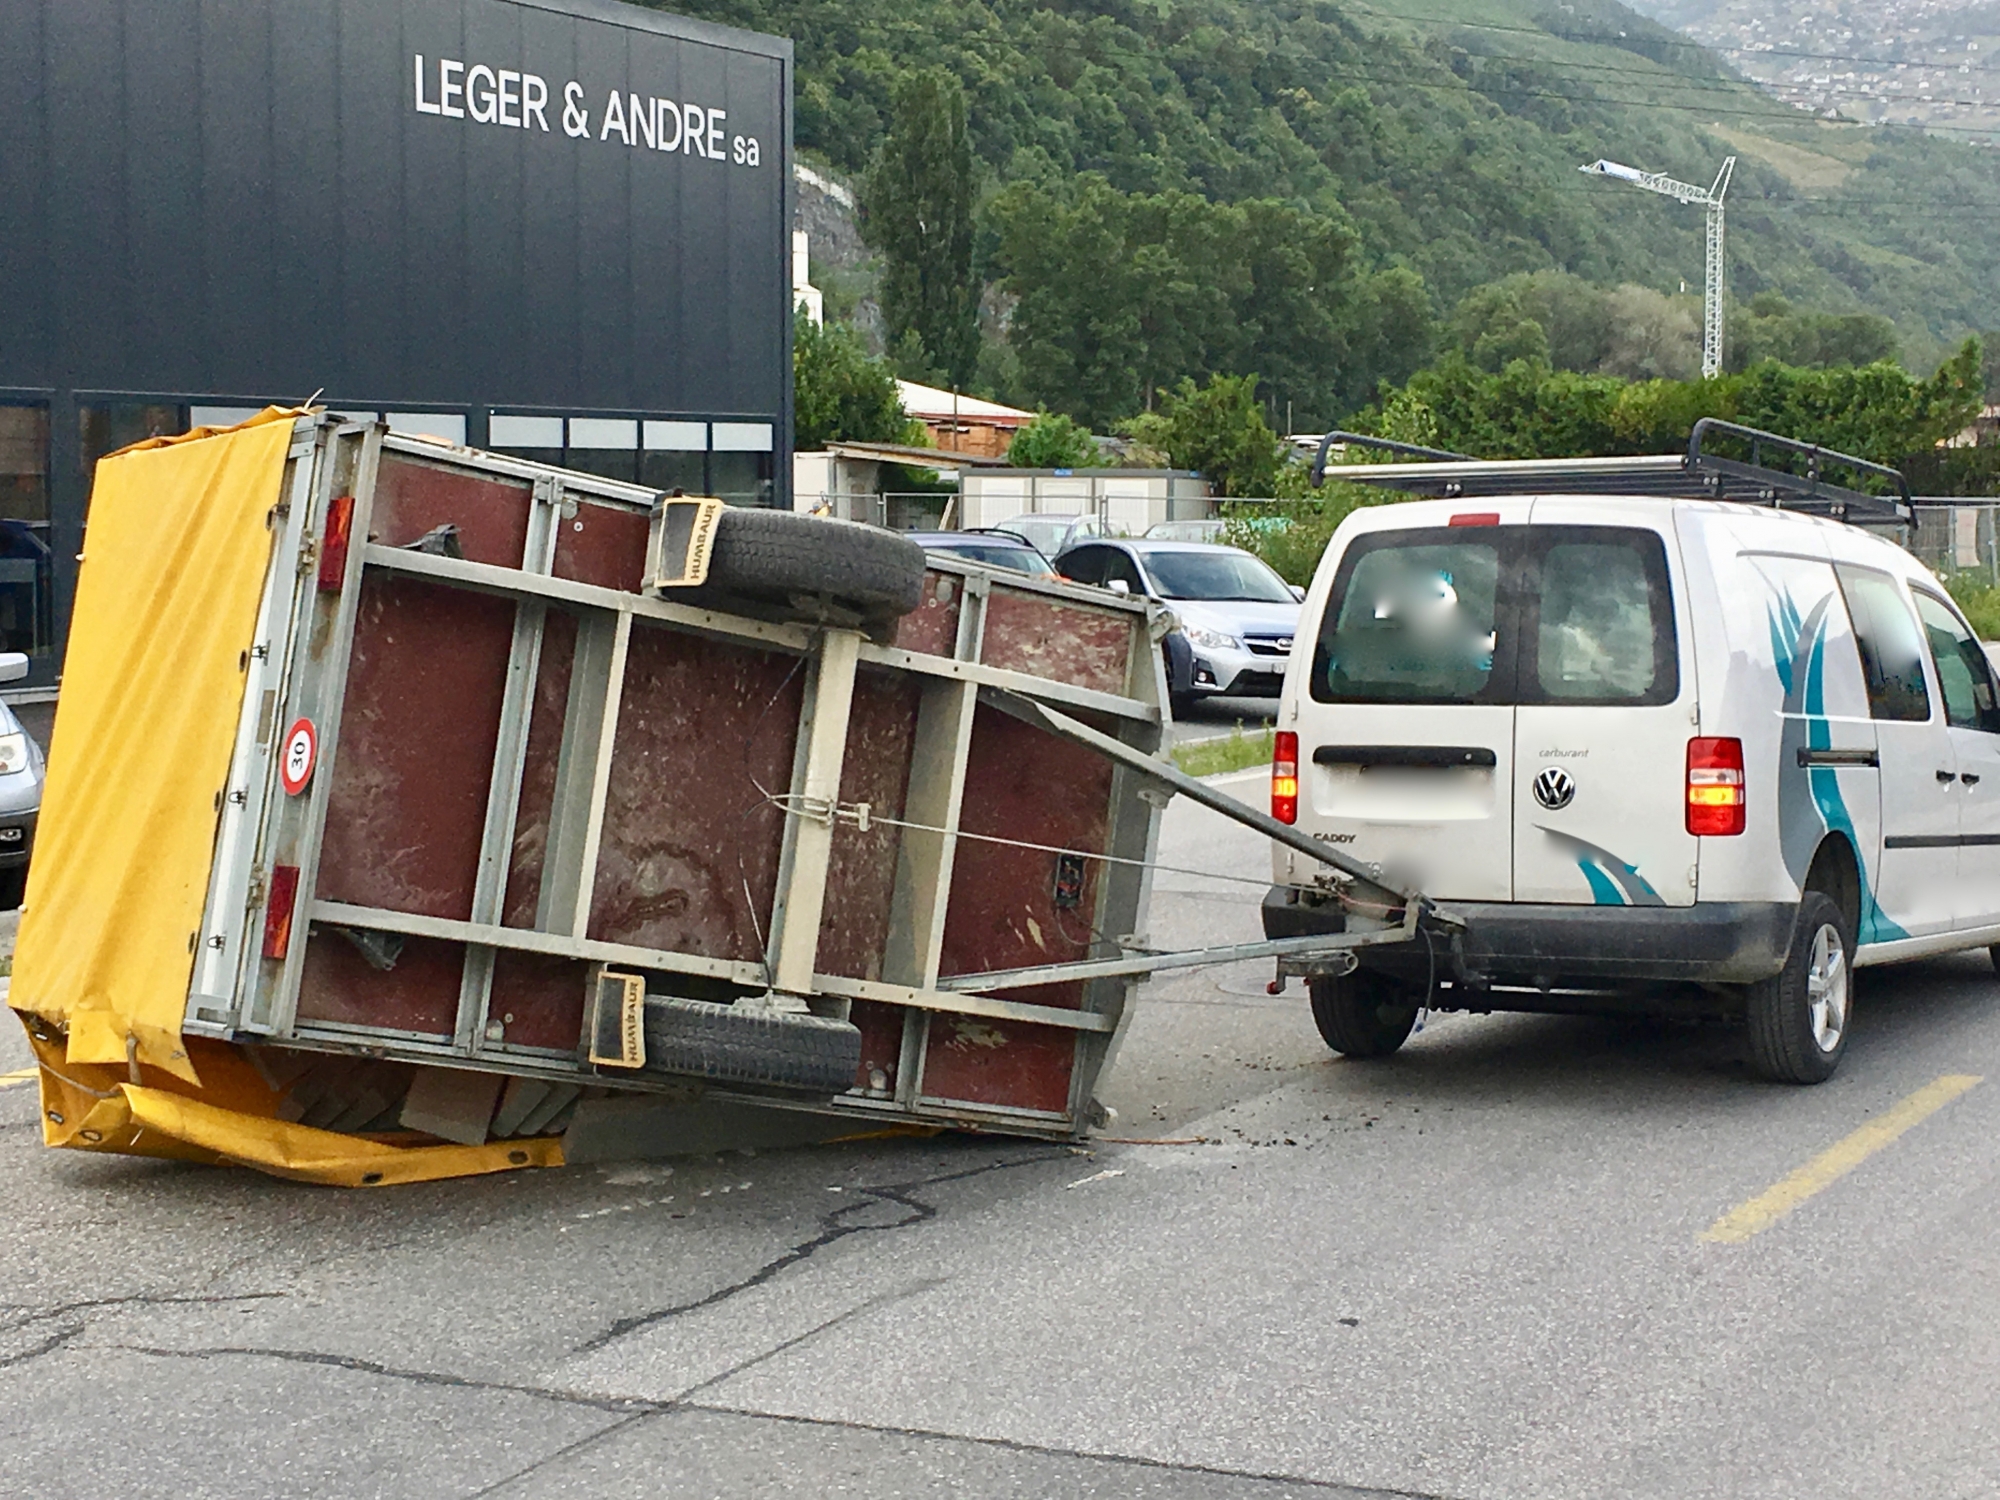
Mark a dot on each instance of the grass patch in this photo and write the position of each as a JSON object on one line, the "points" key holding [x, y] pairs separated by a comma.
{"points": [[1980, 601], [1235, 751]]}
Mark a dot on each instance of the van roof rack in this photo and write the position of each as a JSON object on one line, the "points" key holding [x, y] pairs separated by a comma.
{"points": [[1697, 474]]}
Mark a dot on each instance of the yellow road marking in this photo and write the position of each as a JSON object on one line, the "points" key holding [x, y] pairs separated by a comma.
{"points": [[19, 1075], [1764, 1210]]}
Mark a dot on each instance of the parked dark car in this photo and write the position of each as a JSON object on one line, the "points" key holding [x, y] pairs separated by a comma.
{"points": [[995, 548]]}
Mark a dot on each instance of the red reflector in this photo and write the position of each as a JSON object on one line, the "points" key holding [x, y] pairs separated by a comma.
{"points": [[1285, 776], [1715, 791], [278, 910], [333, 551], [1476, 518]]}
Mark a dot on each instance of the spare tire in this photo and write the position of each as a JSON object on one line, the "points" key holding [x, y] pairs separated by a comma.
{"points": [[813, 568], [748, 1045]]}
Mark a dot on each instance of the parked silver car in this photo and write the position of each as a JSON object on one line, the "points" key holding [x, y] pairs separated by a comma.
{"points": [[1237, 616], [1049, 534], [21, 771]]}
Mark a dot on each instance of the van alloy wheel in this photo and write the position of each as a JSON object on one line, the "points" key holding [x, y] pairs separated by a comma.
{"points": [[1827, 978], [1798, 1018]]}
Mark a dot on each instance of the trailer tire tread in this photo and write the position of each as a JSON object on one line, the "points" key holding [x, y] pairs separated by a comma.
{"points": [[1362, 1015], [814, 567], [738, 1044]]}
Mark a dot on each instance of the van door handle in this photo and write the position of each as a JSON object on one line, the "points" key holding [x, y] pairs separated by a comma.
{"points": [[1946, 778], [1969, 779]]}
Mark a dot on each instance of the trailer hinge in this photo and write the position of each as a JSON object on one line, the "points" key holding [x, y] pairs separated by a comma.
{"points": [[308, 555], [254, 896]]}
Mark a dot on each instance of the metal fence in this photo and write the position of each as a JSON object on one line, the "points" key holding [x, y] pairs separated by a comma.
{"points": [[1959, 538], [898, 510]]}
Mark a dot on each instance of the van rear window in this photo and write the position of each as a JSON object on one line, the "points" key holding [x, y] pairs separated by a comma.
{"points": [[1501, 615], [1412, 622]]}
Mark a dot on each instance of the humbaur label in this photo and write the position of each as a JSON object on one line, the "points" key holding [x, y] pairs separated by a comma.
{"points": [[516, 99]]}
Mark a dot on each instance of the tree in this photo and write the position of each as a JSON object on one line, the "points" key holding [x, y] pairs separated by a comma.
{"points": [[1652, 336], [1053, 441], [917, 212], [1769, 329], [1119, 295], [1878, 412], [839, 392], [1569, 313], [1217, 430]]}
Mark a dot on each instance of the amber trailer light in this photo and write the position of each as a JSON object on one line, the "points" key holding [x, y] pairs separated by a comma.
{"points": [[1715, 787], [1285, 777]]}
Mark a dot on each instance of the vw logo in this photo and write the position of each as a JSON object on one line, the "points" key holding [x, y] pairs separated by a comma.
{"points": [[1554, 789]]}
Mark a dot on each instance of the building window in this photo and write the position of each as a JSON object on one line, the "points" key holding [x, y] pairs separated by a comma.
{"points": [[730, 460], [675, 457], [605, 446], [446, 426], [108, 426], [537, 439], [740, 465], [26, 613]]}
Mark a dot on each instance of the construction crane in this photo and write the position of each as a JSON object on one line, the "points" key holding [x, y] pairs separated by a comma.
{"points": [[1711, 199]]}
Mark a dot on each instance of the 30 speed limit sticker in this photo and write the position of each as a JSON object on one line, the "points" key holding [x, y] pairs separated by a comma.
{"points": [[301, 754]]}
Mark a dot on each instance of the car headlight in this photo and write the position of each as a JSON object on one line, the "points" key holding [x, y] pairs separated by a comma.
{"points": [[13, 753], [1211, 640]]}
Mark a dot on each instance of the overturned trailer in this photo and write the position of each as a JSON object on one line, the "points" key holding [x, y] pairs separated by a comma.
{"points": [[406, 802]]}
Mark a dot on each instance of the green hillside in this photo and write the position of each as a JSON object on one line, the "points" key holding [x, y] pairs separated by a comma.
{"points": [[1443, 136]]}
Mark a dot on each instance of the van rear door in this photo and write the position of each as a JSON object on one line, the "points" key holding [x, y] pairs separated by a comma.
{"points": [[1604, 687], [1406, 721]]}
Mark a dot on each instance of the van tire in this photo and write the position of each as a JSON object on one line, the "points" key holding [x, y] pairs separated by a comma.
{"points": [[1362, 1015], [812, 568], [14, 887], [1800, 1018]]}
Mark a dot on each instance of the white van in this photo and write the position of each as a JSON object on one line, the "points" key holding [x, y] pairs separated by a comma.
{"points": [[1663, 756]]}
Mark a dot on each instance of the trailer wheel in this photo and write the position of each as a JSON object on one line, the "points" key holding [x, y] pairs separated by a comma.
{"points": [[1799, 1017], [1362, 1015], [738, 1044], [815, 569]]}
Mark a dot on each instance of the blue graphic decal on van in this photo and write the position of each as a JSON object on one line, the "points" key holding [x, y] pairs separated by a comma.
{"points": [[1612, 881], [1810, 804]]}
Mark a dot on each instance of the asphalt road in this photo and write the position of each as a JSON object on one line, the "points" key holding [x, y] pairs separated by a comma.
{"points": [[1475, 1270]]}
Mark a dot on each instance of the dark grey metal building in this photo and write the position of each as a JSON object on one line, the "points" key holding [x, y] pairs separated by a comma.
{"points": [[557, 227]]}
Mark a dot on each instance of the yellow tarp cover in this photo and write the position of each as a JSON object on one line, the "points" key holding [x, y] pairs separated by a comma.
{"points": [[178, 546]]}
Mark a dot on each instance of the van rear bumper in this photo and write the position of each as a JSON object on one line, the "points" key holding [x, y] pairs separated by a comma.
{"points": [[1505, 942]]}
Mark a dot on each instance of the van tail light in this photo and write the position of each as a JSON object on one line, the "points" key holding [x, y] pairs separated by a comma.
{"points": [[1285, 776], [278, 910], [1715, 786]]}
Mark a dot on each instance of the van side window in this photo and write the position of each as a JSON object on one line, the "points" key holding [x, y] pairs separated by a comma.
{"points": [[1891, 650], [1964, 677]]}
